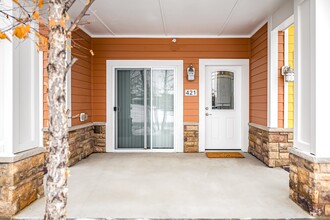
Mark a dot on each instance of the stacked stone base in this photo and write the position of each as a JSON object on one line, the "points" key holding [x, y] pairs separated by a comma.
{"points": [[191, 138], [83, 142], [99, 138], [310, 185], [271, 146], [21, 183]]}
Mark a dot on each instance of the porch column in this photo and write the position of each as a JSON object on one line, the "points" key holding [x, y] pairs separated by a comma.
{"points": [[310, 157], [20, 155], [6, 92]]}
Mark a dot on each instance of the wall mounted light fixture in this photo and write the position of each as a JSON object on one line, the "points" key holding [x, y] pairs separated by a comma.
{"points": [[191, 72], [288, 73]]}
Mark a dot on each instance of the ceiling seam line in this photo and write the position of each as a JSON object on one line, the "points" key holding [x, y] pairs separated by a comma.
{"points": [[100, 20], [228, 18], [162, 16]]}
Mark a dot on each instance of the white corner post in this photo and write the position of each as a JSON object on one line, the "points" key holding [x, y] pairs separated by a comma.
{"points": [[19, 93], [272, 88], [279, 21], [312, 45], [6, 88]]}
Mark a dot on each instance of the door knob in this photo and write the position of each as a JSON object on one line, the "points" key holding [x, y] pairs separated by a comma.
{"points": [[207, 114]]}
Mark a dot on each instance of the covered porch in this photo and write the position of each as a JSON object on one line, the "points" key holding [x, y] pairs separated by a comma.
{"points": [[176, 54], [175, 185]]}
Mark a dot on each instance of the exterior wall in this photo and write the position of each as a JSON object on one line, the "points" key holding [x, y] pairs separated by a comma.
{"points": [[310, 185], [258, 76], [291, 84], [21, 183], [81, 78], [189, 50], [44, 31], [190, 137], [271, 146], [280, 80]]}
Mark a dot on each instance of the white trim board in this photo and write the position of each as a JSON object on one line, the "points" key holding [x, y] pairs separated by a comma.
{"points": [[110, 98], [244, 63]]}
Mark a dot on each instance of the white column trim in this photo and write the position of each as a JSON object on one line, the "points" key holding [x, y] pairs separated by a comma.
{"points": [[7, 86], [286, 92], [302, 125], [272, 88], [68, 85], [41, 98]]}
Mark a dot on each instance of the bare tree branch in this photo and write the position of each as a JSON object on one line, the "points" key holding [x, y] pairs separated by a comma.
{"points": [[68, 67], [80, 16]]}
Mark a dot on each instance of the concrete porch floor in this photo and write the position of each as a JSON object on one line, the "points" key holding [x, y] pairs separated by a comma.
{"points": [[174, 185]]}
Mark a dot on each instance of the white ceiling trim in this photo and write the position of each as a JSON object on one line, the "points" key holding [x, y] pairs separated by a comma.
{"points": [[163, 17], [228, 18], [162, 36], [259, 26]]}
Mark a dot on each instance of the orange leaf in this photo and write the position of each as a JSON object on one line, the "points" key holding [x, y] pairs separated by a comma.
{"points": [[62, 23], [88, 2], [52, 23], [35, 15], [40, 3], [4, 36], [92, 53], [67, 17], [43, 42], [21, 31]]}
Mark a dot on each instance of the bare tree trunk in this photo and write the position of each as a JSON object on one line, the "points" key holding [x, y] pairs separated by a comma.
{"points": [[56, 182]]}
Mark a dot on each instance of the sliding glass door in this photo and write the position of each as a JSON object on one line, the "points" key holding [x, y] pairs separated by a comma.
{"points": [[144, 108]]}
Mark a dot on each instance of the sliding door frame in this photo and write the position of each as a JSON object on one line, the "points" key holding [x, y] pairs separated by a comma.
{"points": [[111, 67]]}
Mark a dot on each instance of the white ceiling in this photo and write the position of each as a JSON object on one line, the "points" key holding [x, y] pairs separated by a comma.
{"points": [[176, 18]]}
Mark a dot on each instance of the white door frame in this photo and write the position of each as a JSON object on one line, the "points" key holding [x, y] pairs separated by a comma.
{"points": [[111, 65], [244, 64]]}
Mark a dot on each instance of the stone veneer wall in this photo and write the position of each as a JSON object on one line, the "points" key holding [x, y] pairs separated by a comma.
{"points": [[21, 183], [271, 146], [83, 141], [310, 185], [191, 137], [99, 138]]}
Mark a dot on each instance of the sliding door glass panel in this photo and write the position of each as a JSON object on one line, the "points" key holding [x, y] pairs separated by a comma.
{"points": [[162, 90], [131, 108]]}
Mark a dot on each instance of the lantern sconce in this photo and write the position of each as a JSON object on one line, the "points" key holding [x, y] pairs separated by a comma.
{"points": [[288, 73], [191, 72]]}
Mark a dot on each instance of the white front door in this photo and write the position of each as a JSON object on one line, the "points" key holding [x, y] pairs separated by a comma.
{"points": [[223, 107]]}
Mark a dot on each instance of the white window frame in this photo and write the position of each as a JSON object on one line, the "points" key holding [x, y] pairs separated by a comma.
{"points": [[286, 90], [178, 100]]}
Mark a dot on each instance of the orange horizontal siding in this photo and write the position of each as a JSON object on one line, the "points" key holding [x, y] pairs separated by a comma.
{"points": [[258, 77], [188, 50]]}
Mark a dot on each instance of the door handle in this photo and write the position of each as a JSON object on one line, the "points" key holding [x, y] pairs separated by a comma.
{"points": [[207, 114]]}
